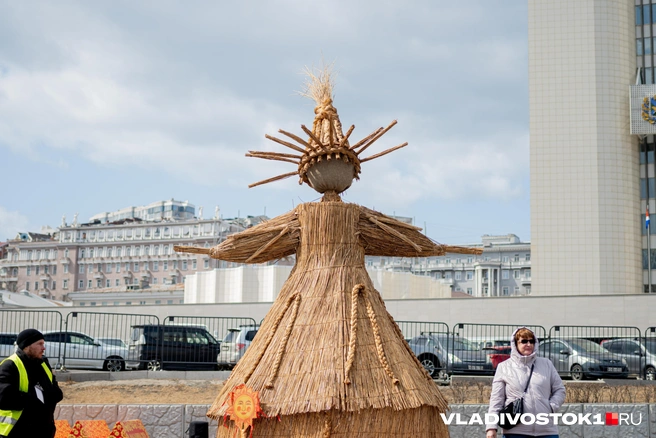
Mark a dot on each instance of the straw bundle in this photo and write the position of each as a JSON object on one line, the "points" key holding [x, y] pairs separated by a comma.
{"points": [[327, 161], [328, 348]]}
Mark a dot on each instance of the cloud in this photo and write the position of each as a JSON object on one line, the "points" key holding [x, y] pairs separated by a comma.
{"points": [[11, 222], [184, 91]]}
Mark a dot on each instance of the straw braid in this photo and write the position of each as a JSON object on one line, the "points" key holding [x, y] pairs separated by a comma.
{"points": [[407, 347], [326, 427], [359, 288], [272, 332], [379, 343], [283, 342]]}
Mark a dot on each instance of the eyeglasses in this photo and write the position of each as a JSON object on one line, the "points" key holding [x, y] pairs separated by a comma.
{"points": [[527, 341]]}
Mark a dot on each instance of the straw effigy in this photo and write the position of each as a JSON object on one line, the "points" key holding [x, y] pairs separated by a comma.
{"points": [[329, 360]]}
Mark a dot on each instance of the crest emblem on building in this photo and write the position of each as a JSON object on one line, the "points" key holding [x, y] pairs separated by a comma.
{"points": [[649, 109]]}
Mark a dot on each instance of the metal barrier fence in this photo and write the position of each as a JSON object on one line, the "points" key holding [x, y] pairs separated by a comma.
{"points": [[96, 340], [583, 352], [13, 322], [116, 342], [427, 341], [649, 350]]}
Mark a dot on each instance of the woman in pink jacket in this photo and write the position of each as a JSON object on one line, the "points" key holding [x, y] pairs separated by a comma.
{"points": [[544, 395]]}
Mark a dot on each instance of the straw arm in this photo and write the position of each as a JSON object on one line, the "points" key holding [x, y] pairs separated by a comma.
{"points": [[373, 140], [285, 143], [270, 240], [385, 152], [462, 250], [275, 178], [383, 235], [297, 138], [272, 157]]}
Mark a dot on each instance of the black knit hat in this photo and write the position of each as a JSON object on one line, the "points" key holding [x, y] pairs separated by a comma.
{"points": [[28, 337]]}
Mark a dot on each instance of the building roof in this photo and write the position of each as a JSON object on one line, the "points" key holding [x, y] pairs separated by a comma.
{"points": [[23, 299]]}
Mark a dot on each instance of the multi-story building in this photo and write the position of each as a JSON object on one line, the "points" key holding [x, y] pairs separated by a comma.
{"points": [[585, 165], [503, 269], [128, 253]]}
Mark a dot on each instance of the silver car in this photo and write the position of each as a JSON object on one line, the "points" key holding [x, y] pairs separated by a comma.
{"points": [[78, 350], [640, 355], [582, 359], [234, 345], [444, 354]]}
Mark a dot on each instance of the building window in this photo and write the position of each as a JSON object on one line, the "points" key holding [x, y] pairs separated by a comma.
{"points": [[505, 275], [504, 291], [81, 269], [470, 275], [98, 282], [166, 249], [128, 303], [470, 259], [158, 301], [116, 303], [36, 270], [118, 282], [142, 302], [127, 267], [184, 265], [118, 268], [470, 291], [136, 267], [646, 14], [118, 252], [65, 284], [81, 284], [155, 266], [66, 253], [169, 301], [90, 270], [528, 257], [145, 266], [193, 264], [516, 273], [516, 290], [165, 265], [82, 303], [29, 270], [27, 285], [154, 280], [505, 259], [527, 274], [458, 275], [36, 285], [65, 269], [108, 268], [447, 275], [206, 263], [54, 285], [448, 260], [108, 283], [89, 284], [93, 303], [528, 290], [147, 249], [516, 257], [175, 265]]}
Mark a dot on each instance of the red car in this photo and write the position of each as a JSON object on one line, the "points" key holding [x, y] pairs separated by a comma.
{"points": [[498, 354]]}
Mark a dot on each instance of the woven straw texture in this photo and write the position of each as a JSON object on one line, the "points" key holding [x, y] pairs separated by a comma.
{"points": [[329, 360]]}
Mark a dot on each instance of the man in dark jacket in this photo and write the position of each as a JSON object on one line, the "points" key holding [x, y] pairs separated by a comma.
{"points": [[28, 390]]}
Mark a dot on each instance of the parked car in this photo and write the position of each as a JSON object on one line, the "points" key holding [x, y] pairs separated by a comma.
{"points": [[498, 354], [583, 359], [7, 344], [117, 342], [639, 354], [444, 354], [182, 347], [78, 350], [234, 345]]}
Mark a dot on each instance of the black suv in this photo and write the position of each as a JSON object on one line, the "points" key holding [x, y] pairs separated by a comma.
{"points": [[181, 347]]}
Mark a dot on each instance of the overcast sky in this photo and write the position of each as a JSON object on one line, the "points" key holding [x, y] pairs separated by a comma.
{"points": [[105, 105]]}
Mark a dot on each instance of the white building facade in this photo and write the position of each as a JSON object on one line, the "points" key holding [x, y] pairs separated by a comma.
{"points": [[585, 169]]}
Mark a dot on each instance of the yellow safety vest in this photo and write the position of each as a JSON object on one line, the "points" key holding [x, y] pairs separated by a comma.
{"points": [[8, 419]]}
